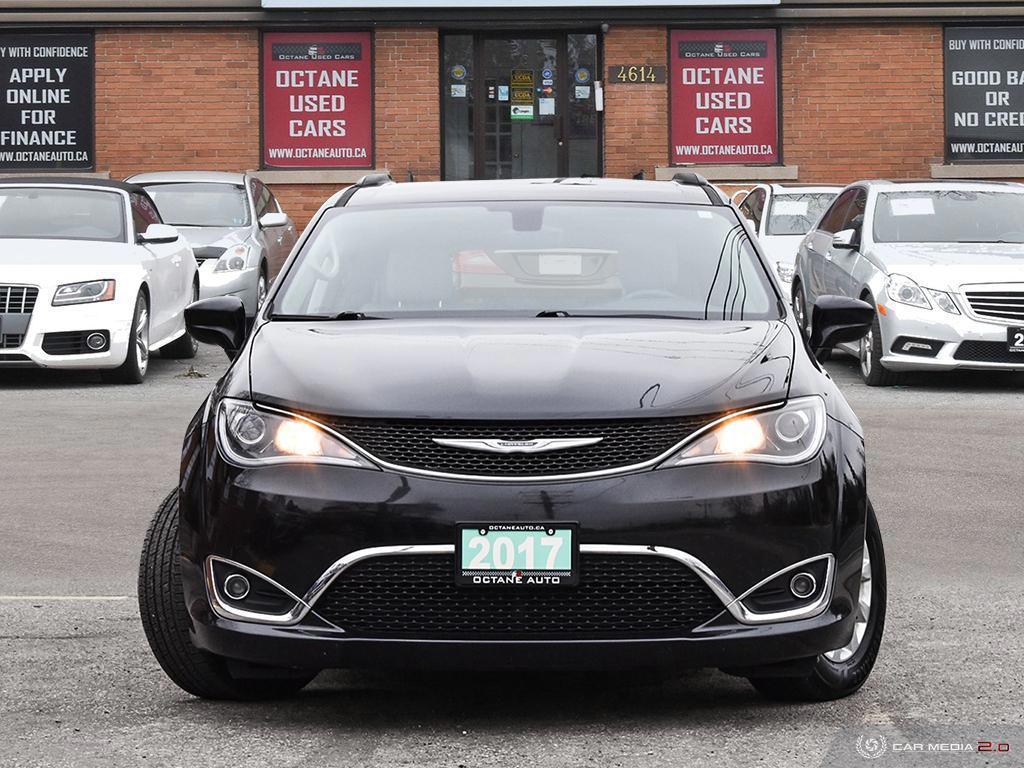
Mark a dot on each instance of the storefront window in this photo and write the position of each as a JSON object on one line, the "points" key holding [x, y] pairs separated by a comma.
{"points": [[457, 98]]}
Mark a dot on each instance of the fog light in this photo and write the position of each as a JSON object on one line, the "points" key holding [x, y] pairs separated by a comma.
{"points": [[803, 585], [236, 586], [96, 341]]}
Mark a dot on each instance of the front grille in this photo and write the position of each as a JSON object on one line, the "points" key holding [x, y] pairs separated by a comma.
{"points": [[618, 595], [18, 299], [1003, 304], [11, 340], [409, 443], [987, 352], [70, 343], [208, 252]]}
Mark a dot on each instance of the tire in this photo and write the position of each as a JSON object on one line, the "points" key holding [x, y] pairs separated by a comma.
{"points": [[872, 371], [184, 347], [262, 286], [803, 319], [136, 361], [166, 623], [839, 673]]}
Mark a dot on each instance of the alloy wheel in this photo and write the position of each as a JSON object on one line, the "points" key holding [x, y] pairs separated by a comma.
{"points": [[860, 624], [142, 339]]}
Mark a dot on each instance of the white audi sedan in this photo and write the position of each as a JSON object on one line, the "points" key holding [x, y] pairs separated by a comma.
{"points": [[90, 277]]}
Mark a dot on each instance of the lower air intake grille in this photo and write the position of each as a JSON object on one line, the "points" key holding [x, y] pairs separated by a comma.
{"points": [[618, 596], [410, 443], [11, 340], [987, 352], [70, 343]]}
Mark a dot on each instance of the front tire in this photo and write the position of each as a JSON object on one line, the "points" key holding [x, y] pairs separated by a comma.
{"points": [[166, 623], [841, 672], [869, 357], [184, 347], [136, 361]]}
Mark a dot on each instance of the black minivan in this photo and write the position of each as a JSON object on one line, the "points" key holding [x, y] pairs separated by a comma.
{"points": [[552, 424]]}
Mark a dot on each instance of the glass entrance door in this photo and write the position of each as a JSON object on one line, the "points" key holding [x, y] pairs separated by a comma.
{"points": [[520, 107]]}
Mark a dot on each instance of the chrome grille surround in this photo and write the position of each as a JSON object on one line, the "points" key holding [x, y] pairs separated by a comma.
{"points": [[995, 302]]}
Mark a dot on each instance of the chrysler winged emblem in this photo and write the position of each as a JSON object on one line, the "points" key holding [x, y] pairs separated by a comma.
{"points": [[497, 445]]}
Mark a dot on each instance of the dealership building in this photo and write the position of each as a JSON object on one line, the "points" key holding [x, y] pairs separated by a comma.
{"points": [[311, 94]]}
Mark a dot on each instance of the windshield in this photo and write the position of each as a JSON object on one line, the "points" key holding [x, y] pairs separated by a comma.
{"points": [[201, 204], [795, 214], [949, 216], [49, 213], [529, 258]]}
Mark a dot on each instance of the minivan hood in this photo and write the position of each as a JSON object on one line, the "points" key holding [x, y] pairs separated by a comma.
{"points": [[950, 265], [545, 368]]}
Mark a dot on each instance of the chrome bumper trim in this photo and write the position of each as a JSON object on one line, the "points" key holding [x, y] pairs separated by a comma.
{"points": [[731, 603]]}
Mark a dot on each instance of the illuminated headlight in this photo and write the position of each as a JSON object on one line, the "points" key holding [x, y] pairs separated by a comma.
{"points": [[785, 271], [252, 437], [787, 435], [84, 293], [234, 259]]}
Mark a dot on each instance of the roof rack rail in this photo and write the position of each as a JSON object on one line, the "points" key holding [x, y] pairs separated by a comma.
{"points": [[694, 179], [375, 180]]}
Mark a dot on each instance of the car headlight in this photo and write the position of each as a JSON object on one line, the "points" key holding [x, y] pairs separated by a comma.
{"points": [[253, 437], [902, 289], [84, 293], [785, 271], [234, 259], [943, 301], [787, 435]]}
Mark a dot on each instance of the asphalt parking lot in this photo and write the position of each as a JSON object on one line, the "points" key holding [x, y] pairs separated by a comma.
{"points": [[85, 464]]}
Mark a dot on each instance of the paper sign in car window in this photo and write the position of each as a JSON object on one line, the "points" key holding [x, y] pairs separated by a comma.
{"points": [[912, 206], [785, 207]]}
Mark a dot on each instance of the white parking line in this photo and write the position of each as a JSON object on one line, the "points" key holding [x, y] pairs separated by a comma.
{"points": [[53, 598]]}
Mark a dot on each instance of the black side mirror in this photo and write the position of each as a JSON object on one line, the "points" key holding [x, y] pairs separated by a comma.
{"points": [[837, 320], [220, 321]]}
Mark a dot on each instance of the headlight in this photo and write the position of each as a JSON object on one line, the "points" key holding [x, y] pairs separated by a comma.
{"points": [[234, 259], [787, 435], [84, 293], [902, 289], [943, 301], [252, 438], [785, 271]]}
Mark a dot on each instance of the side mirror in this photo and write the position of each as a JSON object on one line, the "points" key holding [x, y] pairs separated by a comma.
{"points": [[271, 220], [159, 233], [838, 320], [846, 240], [219, 321]]}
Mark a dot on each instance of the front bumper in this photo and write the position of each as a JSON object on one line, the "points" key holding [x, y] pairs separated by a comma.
{"points": [[112, 317], [985, 348], [241, 284], [739, 523]]}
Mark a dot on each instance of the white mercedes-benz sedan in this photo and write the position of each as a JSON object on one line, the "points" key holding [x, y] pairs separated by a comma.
{"points": [[90, 277]]}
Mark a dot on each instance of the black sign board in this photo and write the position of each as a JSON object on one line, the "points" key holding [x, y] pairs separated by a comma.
{"points": [[984, 85], [46, 102]]}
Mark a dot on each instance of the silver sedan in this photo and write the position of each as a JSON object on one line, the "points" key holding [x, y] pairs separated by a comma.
{"points": [[234, 224], [941, 262]]}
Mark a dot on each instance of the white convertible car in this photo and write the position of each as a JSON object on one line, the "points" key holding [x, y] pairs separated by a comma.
{"points": [[90, 277]]}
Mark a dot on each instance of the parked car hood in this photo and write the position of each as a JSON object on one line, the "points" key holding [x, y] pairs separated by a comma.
{"points": [[781, 248], [520, 369], [31, 261], [223, 237], [950, 265]]}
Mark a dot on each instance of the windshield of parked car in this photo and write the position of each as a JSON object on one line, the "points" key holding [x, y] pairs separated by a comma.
{"points": [[795, 214], [949, 216], [194, 204], [48, 213], [531, 258]]}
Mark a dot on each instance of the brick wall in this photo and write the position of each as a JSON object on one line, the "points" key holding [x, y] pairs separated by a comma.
{"points": [[635, 116], [862, 102], [177, 99]]}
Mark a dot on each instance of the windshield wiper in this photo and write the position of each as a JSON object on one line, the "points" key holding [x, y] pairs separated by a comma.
{"points": [[347, 315], [612, 314], [350, 315], [552, 313]]}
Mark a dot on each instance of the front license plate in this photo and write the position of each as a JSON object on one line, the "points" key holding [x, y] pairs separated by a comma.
{"points": [[1015, 339], [517, 555]]}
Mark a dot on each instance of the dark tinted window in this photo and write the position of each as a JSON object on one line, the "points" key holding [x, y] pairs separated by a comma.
{"points": [[753, 207], [526, 257], [143, 213], [834, 217]]}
